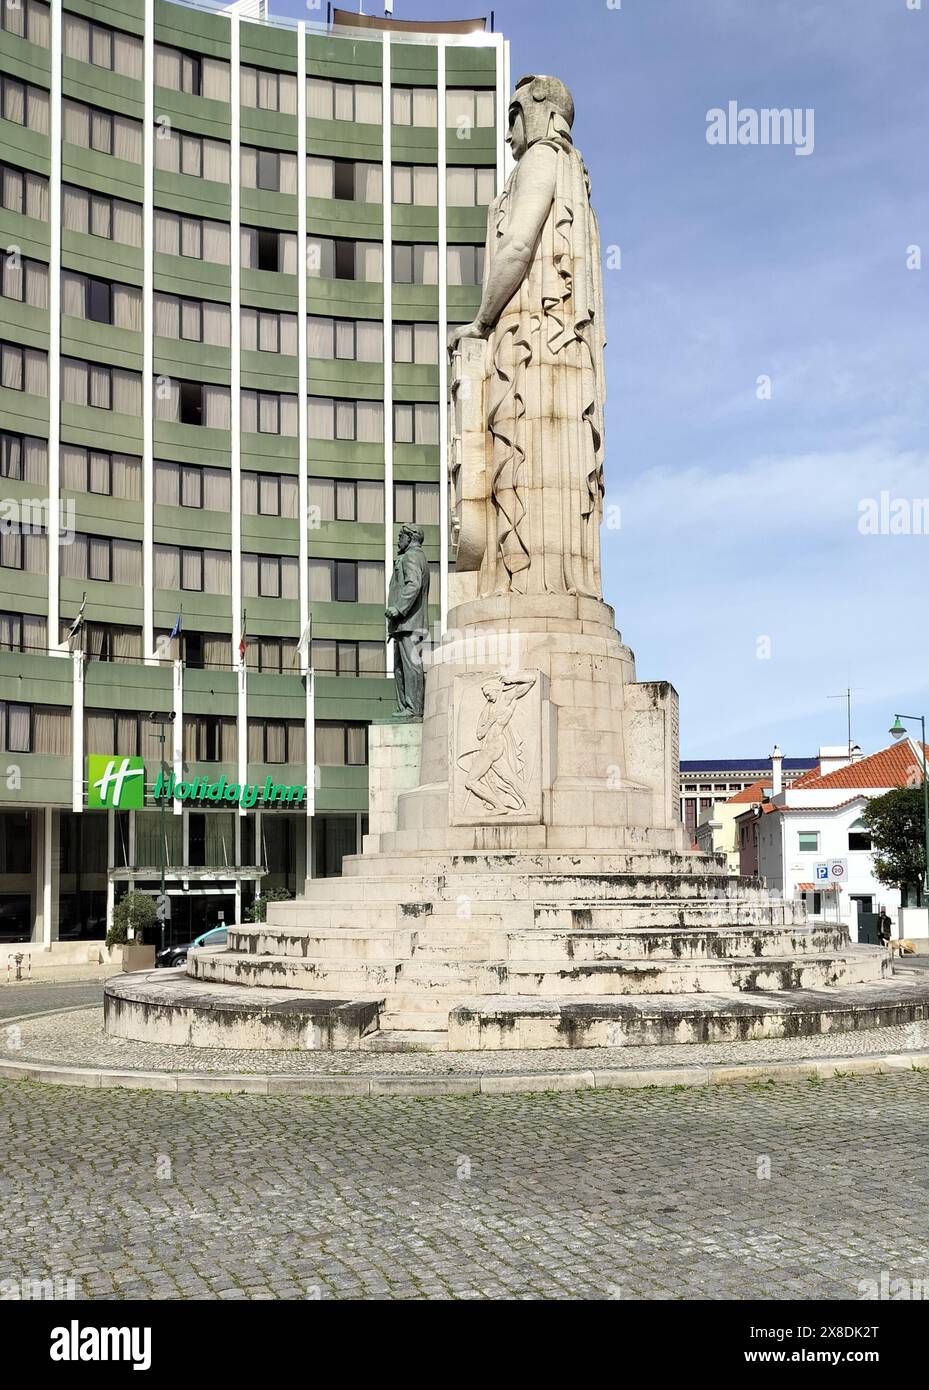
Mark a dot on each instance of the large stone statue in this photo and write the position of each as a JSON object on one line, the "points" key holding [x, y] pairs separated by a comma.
{"points": [[408, 621], [531, 524]]}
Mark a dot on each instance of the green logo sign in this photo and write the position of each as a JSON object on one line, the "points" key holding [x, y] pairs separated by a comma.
{"points": [[115, 783]]}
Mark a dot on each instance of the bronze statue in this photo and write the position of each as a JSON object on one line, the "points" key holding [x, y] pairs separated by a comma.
{"points": [[408, 621]]}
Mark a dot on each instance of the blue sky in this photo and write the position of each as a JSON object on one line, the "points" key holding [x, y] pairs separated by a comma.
{"points": [[739, 517]]}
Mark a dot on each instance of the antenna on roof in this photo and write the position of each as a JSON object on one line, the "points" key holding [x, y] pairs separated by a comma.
{"points": [[847, 697]]}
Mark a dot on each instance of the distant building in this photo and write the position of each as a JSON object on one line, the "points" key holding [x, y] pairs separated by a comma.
{"points": [[717, 830], [817, 818], [707, 781]]}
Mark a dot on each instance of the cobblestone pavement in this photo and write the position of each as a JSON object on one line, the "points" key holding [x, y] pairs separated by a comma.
{"points": [[77, 1039], [29, 997], [777, 1191]]}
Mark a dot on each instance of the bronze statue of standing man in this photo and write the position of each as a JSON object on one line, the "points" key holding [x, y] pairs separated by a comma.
{"points": [[408, 621]]}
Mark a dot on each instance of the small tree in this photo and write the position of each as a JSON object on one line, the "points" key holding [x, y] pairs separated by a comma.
{"points": [[135, 910], [897, 828], [258, 910]]}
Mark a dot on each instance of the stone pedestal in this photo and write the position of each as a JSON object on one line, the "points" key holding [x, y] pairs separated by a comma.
{"points": [[394, 754]]}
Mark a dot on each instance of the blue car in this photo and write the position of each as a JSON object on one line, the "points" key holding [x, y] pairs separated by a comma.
{"points": [[177, 955]]}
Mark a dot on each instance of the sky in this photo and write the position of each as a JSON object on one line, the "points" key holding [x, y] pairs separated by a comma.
{"points": [[767, 364]]}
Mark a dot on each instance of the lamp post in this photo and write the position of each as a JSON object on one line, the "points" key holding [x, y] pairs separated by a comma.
{"points": [[898, 731], [161, 720]]}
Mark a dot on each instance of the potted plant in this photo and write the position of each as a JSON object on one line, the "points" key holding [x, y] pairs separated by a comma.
{"points": [[132, 914]]}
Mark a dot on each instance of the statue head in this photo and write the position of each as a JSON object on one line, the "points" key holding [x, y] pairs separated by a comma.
{"points": [[409, 535], [541, 107]]}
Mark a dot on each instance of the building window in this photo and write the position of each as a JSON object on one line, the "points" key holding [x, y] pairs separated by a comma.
{"points": [[808, 841], [336, 658], [24, 104], [109, 642], [191, 320], [465, 265], [417, 343], [23, 279], [266, 250], [29, 19], [15, 727], [859, 836], [417, 184], [340, 258], [266, 330], [341, 745], [274, 171], [269, 412], [100, 301], [23, 457], [192, 403], [415, 106], [24, 369], [468, 187], [274, 654], [269, 494], [345, 340], [97, 214], [187, 567], [270, 576], [192, 73], [190, 485], [352, 180], [262, 90], [209, 738], [22, 632], [416, 423], [416, 263], [105, 558], [417, 502], [196, 237], [361, 102], [467, 107], [346, 581], [24, 546], [92, 128], [97, 470], [178, 152], [346, 499], [349, 420], [105, 388], [23, 191], [276, 741], [88, 42]]}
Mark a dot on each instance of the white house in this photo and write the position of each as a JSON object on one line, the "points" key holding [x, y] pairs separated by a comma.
{"points": [[817, 821]]}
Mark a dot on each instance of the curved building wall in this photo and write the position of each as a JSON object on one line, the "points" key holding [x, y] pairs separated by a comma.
{"points": [[232, 251]]}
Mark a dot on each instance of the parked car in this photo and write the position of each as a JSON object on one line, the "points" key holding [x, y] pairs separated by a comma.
{"points": [[177, 955]]}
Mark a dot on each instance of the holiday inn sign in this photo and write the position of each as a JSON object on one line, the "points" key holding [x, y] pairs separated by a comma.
{"points": [[118, 784]]}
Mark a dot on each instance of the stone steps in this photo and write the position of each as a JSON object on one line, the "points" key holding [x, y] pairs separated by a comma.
{"points": [[409, 1040], [497, 1022], [407, 981], [364, 866], [439, 938]]}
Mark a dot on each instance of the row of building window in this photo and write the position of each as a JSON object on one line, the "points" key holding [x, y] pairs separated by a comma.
{"points": [[26, 728], [109, 559], [201, 238], [108, 474], [467, 186]]}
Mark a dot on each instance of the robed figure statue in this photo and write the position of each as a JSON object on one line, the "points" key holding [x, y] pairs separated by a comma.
{"points": [[543, 381]]}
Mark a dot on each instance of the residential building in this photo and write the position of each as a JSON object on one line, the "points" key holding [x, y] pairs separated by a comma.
{"points": [[233, 253], [705, 782], [717, 830], [790, 839]]}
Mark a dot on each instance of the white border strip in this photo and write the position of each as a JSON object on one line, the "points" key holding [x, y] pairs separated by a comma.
{"points": [[148, 340], [441, 124], [388, 278], [54, 342], [235, 384]]}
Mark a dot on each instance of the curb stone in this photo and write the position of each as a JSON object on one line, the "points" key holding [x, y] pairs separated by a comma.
{"points": [[631, 1078]]}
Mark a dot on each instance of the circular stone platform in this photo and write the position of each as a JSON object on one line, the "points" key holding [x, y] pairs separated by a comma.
{"points": [[71, 1048]]}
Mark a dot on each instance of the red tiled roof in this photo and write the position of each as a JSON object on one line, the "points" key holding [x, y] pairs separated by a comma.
{"points": [[895, 766], [753, 793]]}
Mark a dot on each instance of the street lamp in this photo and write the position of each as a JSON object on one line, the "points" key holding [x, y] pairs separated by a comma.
{"points": [[161, 720], [898, 731]]}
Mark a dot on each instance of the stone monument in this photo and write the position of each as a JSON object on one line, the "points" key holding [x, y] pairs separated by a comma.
{"points": [[408, 621], [526, 881]]}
